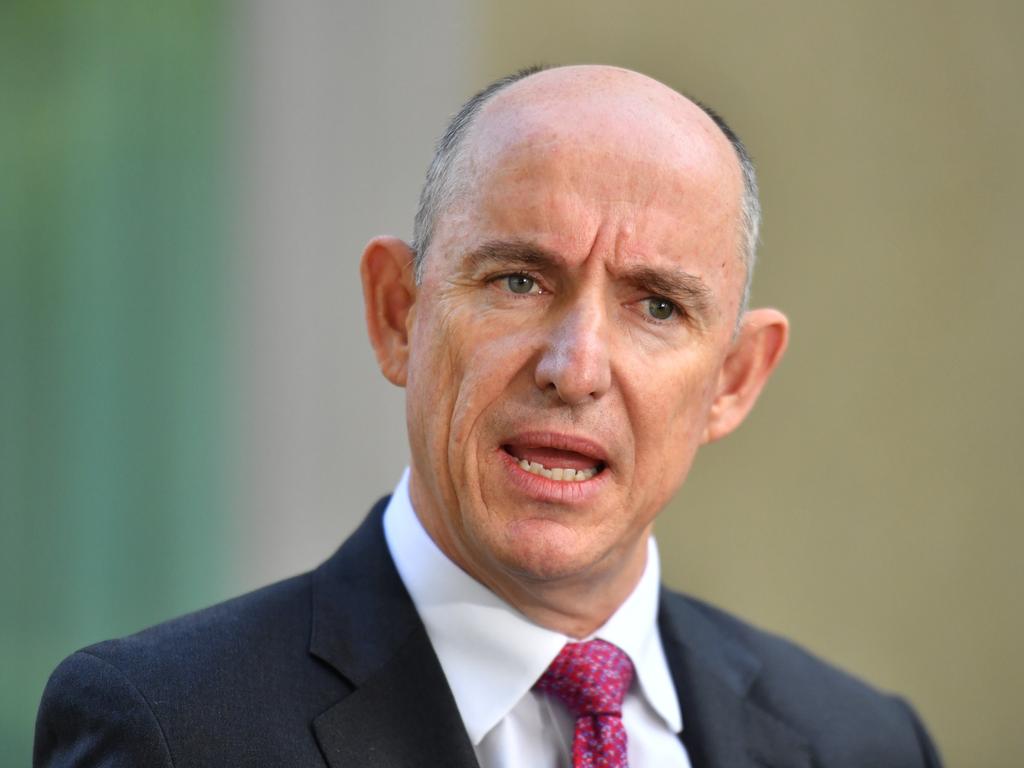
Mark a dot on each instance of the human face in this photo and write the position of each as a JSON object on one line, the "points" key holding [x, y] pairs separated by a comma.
{"points": [[575, 311]]}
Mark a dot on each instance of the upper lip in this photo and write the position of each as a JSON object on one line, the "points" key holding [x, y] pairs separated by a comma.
{"points": [[560, 441]]}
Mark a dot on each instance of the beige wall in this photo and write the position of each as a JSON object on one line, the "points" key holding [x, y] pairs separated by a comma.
{"points": [[871, 507]]}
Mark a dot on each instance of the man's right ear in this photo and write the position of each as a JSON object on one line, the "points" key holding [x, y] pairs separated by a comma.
{"points": [[389, 291]]}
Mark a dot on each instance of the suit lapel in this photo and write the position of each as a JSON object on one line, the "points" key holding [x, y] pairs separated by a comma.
{"points": [[401, 711], [713, 676]]}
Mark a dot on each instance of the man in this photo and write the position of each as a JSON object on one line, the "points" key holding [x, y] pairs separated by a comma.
{"points": [[570, 325]]}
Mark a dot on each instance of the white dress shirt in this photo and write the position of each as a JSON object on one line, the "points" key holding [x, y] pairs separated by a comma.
{"points": [[492, 655]]}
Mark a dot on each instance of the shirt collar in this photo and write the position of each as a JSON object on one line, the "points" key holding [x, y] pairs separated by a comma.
{"points": [[492, 654]]}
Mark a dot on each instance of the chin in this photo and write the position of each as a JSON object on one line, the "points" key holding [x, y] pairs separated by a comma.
{"points": [[542, 550]]}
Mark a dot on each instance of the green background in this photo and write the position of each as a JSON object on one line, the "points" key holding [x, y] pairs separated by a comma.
{"points": [[111, 320]]}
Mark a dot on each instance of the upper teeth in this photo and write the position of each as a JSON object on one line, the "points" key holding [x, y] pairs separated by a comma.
{"points": [[558, 473]]}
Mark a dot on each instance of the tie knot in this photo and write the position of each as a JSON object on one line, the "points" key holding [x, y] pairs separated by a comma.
{"points": [[589, 678]]}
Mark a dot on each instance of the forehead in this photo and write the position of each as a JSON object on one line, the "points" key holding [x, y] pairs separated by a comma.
{"points": [[568, 162]]}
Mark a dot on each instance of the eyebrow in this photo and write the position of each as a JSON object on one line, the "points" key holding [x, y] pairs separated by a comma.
{"points": [[678, 285], [509, 253]]}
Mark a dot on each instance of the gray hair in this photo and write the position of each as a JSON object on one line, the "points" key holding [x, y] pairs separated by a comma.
{"points": [[750, 201], [440, 186]]}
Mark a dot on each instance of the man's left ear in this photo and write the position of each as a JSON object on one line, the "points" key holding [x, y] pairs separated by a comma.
{"points": [[755, 352]]}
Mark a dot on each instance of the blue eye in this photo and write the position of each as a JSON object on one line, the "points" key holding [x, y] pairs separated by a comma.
{"points": [[659, 308], [520, 283]]}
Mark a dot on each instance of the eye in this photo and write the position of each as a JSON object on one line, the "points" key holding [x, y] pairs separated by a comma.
{"points": [[521, 284], [659, 308]]}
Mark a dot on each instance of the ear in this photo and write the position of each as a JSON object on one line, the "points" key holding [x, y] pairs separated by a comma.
{"points": [[389, 291], [755, 352]]}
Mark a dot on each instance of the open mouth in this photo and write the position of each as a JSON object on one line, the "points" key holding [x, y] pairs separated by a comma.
{"points": [[555, 463]]}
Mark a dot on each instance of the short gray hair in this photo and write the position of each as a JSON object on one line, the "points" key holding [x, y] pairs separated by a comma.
{"points": [[750, 201], [440, 186]]}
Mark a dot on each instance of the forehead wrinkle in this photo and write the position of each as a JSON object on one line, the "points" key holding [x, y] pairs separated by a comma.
{"points": [[554, 179]]}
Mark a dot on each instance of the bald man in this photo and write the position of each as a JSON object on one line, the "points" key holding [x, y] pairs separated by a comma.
{"points": [[570, 325]]}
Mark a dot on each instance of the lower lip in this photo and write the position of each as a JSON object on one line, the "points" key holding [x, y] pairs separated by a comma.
{"points": [[540, 488]]}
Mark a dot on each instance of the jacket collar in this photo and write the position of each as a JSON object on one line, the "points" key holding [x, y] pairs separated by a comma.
{"points": [[714, 676], [401, 712]]}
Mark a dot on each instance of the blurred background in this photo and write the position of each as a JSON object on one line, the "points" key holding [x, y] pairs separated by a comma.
{"points": [[189, 408]]}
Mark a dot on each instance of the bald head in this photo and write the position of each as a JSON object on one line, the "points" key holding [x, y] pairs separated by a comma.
{"points": [[625, 115]]}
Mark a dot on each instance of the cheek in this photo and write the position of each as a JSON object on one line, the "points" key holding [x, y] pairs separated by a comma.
{"points": [[489, 366], [432, 383], [464, 361], [671, 416]]}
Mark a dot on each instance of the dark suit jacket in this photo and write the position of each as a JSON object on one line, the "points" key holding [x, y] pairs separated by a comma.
{"points": [[335, 668]]}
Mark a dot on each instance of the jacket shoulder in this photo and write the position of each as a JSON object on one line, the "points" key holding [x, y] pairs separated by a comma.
{"points": [[241, 668], [259, 621], [91, 708], [839, 714]]}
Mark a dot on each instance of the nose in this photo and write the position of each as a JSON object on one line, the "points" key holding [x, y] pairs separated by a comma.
{"points": [[575, 362]]}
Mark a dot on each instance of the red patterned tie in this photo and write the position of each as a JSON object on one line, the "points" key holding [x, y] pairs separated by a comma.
{"points": [[591, 679]]}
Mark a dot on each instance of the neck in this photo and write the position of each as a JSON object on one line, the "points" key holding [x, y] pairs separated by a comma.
{"points": [[574, 606]]}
